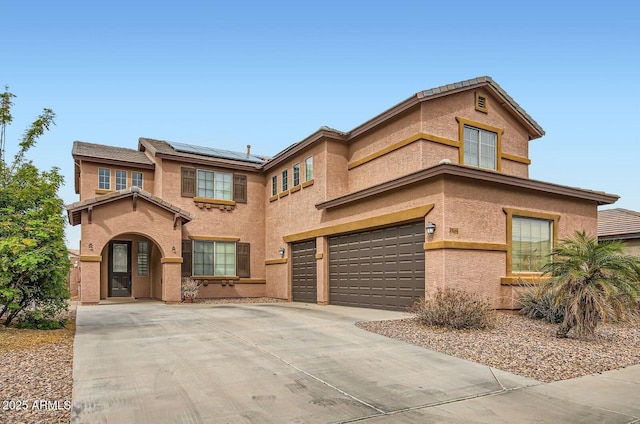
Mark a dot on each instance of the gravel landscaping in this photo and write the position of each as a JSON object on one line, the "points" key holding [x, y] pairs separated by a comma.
{"points": [[523, 346], [36, 367]]}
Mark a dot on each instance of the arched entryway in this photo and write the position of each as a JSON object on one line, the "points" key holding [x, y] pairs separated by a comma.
{"points": [[131, 268]]}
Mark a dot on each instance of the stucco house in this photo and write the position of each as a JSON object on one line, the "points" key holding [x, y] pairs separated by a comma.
{"points": [[433, 192], [623, 225]]}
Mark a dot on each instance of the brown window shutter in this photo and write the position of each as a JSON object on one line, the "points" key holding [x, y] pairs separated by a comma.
{"points": [[188, 182], [186, 258], [240, 188], [243, 260]]}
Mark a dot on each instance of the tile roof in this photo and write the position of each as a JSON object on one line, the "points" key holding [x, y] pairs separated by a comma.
{"points": [[111, 153], [618, 223], [188, 151], [74, 210], [481, 81]]}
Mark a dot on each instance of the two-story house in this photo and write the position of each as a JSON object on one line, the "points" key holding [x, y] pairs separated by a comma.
{"points": [[433, 192]]}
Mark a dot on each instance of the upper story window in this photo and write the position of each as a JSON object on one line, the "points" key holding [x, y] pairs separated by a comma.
{"points": [[121, 180], [104, 178], [215, 185], [308, 168], [205, 184], [296, 174], [274, 185], [285, 180], [136, 179], [480, 148], [531, 243]]}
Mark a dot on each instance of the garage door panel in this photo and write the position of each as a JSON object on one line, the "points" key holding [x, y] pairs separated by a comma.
{"points": [[304, 275], [383, 268]]}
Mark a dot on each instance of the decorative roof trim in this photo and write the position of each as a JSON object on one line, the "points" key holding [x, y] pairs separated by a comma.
{"points": [[468, 172], [74, 210]]}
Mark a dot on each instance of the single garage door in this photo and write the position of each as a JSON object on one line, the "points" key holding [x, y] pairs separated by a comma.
{"points": [[304, 277], [381, 268]]}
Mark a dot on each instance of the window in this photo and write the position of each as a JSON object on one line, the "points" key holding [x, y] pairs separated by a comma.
{"points": [[136, 179], [104, 178], [217, 258], [480, 147], [285, 180], [121, 180], [532, 241], [296, 174], [242, 259], [308, 168], [274, 185], [143, 259], [215, 185]]}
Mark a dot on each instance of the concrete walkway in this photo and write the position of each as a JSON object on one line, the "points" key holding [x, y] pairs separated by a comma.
{"points": [[147, 362]]}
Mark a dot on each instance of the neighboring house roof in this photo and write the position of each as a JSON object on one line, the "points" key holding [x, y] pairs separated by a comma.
{"points": [[477, 174], [618, 224], [201, 154], [74, 252], [75, 209], [110, 154]]}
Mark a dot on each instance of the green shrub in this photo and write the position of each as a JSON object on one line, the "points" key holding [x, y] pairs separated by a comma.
{"points": [[456, 309], [539, 304], [36, 319]]}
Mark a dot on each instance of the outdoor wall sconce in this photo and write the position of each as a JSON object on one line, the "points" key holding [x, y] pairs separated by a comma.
{"points": [[281, 252], [431, 228], [91, 246]]}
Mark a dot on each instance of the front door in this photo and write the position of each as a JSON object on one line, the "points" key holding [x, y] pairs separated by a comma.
{"points": [[120, 269]]}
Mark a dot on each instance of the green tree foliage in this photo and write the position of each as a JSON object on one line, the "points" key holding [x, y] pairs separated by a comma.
{"points": [[593, 282], [34, 262]]}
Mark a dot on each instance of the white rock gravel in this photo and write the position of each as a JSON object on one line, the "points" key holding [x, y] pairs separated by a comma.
{"points": [[523, 346]]}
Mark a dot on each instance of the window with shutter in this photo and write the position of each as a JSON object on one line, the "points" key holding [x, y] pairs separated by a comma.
{"points": [[243, 260], [240, 188], [186, 258], [188, 182]]}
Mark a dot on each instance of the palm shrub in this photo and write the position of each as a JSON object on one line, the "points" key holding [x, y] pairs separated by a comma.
{"points": [[454, 308], [539, 303], [593, 282]]}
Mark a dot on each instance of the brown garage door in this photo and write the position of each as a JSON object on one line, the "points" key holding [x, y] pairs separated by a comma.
{"points": [[304, 277], [381, 269]]}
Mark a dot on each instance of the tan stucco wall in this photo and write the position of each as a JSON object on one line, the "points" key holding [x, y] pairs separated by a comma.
{"points": [[245, 222], [118, 221], [632, 247], [89, 178]]}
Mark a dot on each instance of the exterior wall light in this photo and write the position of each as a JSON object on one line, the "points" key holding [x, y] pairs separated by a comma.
{"points": [[281, 252], [431, 228]]}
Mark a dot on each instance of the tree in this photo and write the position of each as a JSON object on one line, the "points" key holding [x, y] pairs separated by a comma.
{"points": [[593, 282], [34, 262]]}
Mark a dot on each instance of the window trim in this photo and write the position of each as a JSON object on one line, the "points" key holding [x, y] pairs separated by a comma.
{"points": [[285, 179], [126, 178], [479, 125], [214, 242], [522, 213], [215, 173], [274, 185], [296, 175], [108, 187], [146, 257], [141, 179], [307, 160]]}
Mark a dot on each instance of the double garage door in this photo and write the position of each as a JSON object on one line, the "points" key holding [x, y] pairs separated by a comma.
{"points": [[381, 268]]}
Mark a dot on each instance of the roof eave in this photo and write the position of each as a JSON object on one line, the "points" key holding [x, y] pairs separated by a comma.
{"points": [[116, 162], [301, 145], [473, 173]]}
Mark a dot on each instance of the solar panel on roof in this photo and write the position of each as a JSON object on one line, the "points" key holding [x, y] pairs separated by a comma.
{"points": [[216, 153]]}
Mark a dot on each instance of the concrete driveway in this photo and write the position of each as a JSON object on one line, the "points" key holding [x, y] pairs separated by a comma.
{"points": [[146, 362]]}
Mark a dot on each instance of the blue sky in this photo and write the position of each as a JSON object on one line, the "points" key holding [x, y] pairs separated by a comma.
{"points": [[228, 74]]}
